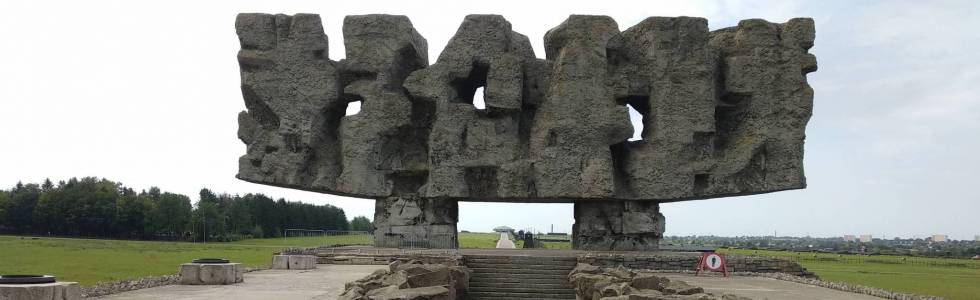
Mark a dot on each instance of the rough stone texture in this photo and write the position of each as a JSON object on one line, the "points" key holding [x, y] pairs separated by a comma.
{"points": [[211, 274], [724, 114], [410, 280], [617, 225], [293, 262], [592, 283], [415, 223], [43, 291]]}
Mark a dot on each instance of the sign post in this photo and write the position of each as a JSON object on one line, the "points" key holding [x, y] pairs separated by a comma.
{"points": [[712, 262]]}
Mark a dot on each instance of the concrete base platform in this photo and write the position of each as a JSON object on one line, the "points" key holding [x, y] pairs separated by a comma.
{"points": [[42, 291], [293, 262], [211, 274], [766, 288], [323, 283]]}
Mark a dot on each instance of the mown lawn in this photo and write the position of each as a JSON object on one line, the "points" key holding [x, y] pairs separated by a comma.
{"points": [[471, 240], [89, 261], [950, 278]]}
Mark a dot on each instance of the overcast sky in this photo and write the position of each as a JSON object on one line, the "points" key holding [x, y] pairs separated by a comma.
{"points": [[148, 94]]}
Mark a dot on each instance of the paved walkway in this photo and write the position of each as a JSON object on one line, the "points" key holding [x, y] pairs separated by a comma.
{"points": [[326, 282], [505, 242], [766, 288]]}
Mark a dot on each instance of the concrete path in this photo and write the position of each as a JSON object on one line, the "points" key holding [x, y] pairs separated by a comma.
{"points": [[505, 242], [766, 288], [326, 282]]}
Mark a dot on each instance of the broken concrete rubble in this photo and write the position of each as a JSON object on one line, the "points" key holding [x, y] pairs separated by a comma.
{"points": [[410, 280]]}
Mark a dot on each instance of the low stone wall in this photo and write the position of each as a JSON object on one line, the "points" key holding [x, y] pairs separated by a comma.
{"points": [[689, 261], [374, 259], [112, 287]]}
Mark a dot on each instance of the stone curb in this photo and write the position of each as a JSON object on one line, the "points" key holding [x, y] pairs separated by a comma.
{"points": [[840, 286], [115, 287]]}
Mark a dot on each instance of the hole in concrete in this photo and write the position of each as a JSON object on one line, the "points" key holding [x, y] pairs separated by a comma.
{"points": [[466, 88], [637, 120], [478, 99], [353, 108], [639, 110]]}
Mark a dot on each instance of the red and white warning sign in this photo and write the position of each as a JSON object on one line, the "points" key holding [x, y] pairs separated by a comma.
{"points": [[712, 262]]}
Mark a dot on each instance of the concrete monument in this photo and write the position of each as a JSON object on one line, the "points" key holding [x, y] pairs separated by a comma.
{"points": [[723, 114]]}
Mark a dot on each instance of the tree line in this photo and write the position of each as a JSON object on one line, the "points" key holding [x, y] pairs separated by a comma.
{"points": [[93, 207]]}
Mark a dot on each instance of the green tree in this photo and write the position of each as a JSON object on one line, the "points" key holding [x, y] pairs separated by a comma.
{"points": [[172, 214], [361, 223], [208, 221], [131, 215], [4, 203], [20, 211], [239, 217]]}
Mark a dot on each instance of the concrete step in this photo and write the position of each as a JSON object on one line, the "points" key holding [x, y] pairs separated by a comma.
{"points": [[522, 259], [506, 279], [493, 285], [491, 270], [519, 266], [521, 278], [506, 295], [528, 290]]}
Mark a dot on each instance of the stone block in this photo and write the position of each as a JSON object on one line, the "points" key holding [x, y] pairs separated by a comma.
{"points": [[42, 291], [211, 274], [293, 262]]}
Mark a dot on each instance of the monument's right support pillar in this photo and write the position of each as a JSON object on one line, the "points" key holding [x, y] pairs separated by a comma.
{"points": [[617, 225], [413, 222]]}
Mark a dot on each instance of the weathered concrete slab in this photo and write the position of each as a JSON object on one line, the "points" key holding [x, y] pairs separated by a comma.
{"points": [[324, 282], [293, 262], [42, 291], [211, 274]]}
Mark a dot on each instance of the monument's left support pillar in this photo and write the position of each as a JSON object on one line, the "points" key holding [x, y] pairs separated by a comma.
{"points": [[617, 225], [413, 222]]}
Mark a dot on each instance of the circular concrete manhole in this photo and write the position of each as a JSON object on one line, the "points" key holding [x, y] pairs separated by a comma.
{"points": [[210, 261], [26, 279]]}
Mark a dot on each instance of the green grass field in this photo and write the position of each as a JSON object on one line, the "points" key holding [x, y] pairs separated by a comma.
{"points": [[93, 261], [471, 240], [950, 278], [89, 261]]}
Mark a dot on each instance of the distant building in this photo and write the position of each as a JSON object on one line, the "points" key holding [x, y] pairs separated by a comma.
{"points": [[976, 238], [865, 238], [849, 238], [503, 229], [939, 238]]}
